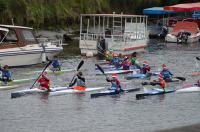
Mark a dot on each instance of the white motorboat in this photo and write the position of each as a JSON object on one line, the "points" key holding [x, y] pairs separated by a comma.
{"points": [[184, 32], [19, 46]]}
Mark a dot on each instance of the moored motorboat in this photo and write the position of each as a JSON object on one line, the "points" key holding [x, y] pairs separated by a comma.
{"points": [[19, 46]]}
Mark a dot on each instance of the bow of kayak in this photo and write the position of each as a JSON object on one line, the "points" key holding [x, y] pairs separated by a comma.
{"points": [[112, 92], [7, 87], [188, 90], [154, 91]]}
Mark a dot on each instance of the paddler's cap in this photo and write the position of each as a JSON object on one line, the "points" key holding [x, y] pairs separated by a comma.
{"points": [[115, 54], [164, 66], [5, 66], [114, 75], [145, 63], [111, 49], [80, 73]]}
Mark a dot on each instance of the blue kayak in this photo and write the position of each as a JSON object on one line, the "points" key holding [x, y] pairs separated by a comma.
{"points": [[154, 91], [139, 75]]}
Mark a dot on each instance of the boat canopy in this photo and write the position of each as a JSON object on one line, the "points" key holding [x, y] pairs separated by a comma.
{"points": [[157, 11], [4, 29], [184, 7]]}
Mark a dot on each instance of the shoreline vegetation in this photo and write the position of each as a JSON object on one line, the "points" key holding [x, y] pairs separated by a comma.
{"points": [[64, 14]]}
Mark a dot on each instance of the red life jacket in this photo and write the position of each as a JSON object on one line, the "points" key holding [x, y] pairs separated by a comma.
{"points": [[162, 83], [44, 82]]}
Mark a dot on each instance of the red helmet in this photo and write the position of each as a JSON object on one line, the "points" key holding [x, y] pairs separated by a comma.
{"points": [[164, 66], [114, 75], [145, 63]]}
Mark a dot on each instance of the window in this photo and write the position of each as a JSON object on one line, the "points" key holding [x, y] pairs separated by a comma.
{"points": [[28, 35]]}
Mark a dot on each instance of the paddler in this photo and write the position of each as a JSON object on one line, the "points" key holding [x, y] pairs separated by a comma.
{"points": [[79, 81], [145, 69], [161, 82], [44, 82], [115, 83], [109, 55], [167, 75], [6, 74], [125, 63], [134, 61], [56, 64]]}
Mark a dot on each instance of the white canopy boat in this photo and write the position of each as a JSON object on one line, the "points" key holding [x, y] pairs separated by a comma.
{"points": [[19, 46]]}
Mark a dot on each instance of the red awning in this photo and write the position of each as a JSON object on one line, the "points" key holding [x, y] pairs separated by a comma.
{"points": [[184, 7]]}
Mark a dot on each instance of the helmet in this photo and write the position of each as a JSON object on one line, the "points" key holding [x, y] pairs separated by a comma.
{"points": [[126, 57], [5, 66], [145, 63], [115, 54], [80, 73], [114, 75], [164, 66]]}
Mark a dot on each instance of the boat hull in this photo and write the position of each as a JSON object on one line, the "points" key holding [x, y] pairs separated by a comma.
{"points": [[188, 90]]}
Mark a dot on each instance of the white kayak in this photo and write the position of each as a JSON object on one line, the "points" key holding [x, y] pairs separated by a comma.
{"points": [[52, 71], [7, 87], [189, 89], [16, 81], [115, 71], [54, 91]]}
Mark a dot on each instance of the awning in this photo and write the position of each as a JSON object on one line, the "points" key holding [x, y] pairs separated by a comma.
{"points": [[157, 10], [184, 7]]}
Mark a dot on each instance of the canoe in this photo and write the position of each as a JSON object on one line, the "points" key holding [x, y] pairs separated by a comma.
{"points": [[188, 90], [54, 91], [7, 87], [115, 71], [16, 81], [112, 92], [154, 91]]}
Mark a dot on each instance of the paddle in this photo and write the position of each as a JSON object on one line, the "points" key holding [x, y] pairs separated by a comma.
{"points": [[98, 66], [180, 78], [198, 58], [79, 66], [41, 73]]}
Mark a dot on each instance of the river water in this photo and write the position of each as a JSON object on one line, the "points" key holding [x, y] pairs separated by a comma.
{"points": [[122, 113]]}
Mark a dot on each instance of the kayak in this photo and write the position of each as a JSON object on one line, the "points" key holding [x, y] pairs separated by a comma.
{"points": [[54, 91], [106, 67], [115, 71], [103, 62], [52, 72], [7, 87], [154, 91], [139, 75], [15, 81], [195, 74], [188, 90], [113, 92]]}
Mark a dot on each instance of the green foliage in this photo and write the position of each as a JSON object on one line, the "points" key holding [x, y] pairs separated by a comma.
{"points": [[62, 13]]}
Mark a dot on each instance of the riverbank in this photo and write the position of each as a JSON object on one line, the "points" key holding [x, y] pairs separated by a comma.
{"points": [[190, 128]]}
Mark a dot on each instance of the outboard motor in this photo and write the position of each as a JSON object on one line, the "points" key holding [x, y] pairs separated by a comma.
{"points": [[163, 32], [182, 36], [101, 47]]}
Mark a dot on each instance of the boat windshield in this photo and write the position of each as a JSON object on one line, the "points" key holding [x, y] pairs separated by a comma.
{"points": [[11, 37], [28, 36]]}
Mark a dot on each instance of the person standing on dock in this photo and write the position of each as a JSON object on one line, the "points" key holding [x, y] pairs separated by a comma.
{"points": [[44, 82], [80, 81], [115, 83], [6, 74], [167, 75]]}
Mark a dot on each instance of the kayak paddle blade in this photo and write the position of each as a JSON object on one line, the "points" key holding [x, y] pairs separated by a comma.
{"points": [[198, 58], [80, 65], [98, 66], [181, 78]]}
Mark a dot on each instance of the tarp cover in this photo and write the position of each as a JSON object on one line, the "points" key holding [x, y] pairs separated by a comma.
{"points": [[184, 7], [157, 10]]}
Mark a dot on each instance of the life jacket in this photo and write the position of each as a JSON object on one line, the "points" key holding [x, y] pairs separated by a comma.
{"points": [[115, 61], [55, 63], [115, 84], [6, 74], [166, 74], [145, 69], [80, 82], [44, 82], [133, 60]]}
